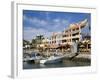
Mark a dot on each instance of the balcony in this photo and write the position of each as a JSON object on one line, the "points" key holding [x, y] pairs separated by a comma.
{"points": [[76, 31]]}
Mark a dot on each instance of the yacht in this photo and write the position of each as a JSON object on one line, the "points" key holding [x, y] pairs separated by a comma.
{"points": [[51, 59]]}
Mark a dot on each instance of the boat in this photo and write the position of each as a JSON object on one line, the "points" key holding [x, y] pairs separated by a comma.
{"points": [[51, 59], [31, 57]]}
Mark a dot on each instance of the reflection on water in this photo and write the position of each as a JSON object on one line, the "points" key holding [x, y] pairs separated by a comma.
{"points": [[64, 63]]}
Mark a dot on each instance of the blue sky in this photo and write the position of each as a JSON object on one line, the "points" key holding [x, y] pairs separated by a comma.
{"points": [[47, 22]]}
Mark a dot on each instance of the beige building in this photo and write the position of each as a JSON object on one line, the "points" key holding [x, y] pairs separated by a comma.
{"points": [[72, 33]]}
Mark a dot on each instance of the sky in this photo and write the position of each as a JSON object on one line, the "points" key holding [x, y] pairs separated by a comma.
{"points": [[46, 22]]}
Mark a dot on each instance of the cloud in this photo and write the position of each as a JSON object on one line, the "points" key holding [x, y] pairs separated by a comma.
{"points": [[35, 22], [60, 24], [30, 33], [45, 27]]}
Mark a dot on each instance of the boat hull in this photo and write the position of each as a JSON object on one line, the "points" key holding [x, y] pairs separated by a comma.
{"points": [[55, 60]]}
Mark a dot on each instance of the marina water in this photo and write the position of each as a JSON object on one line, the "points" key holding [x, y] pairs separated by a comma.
{"points": [[64, 63]]}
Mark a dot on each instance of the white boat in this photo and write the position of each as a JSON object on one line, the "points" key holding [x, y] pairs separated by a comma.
{"points": [[51, 59]]}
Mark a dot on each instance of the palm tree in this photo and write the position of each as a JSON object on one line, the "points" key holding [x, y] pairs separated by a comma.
{"points": [[39, 39], [26, 44]]}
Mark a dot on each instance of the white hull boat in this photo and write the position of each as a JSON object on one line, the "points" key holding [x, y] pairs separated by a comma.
{"points": [[51, 59]]}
